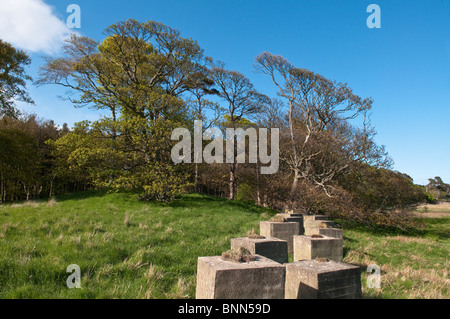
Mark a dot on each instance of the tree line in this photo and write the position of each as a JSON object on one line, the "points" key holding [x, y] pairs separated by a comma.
{"points": [[151, 80]]}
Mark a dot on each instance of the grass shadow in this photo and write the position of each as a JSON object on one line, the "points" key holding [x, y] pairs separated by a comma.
{"points": [[83, 195], [437, 228], [195, 200], [378, 231]]}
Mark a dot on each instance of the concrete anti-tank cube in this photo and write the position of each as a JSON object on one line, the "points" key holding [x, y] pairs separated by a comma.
{"points": [[282, 230], [317, 246], [311, 279], [296, 218], [269, 247], [315, 217], [293, 211], [311, 226], [331, 232], [318, 223], [220, 279]]}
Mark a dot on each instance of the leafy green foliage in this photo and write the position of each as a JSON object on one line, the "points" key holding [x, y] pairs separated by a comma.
{"points": [[25, 158], [137, 72], [12, 78]]}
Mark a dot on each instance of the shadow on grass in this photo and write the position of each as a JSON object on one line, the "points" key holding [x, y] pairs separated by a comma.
{"points": [[348, 239], [438, 228], [196, 200], [192, 200], [380, 231], [199, 200], [82, 195]]}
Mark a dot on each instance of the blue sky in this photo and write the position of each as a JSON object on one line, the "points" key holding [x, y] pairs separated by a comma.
{"points": [[404, 66]]}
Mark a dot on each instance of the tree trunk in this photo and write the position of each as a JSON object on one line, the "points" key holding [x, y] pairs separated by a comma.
{"points": [[232, 182], [258, 192], [1, 188], [27, 192], [265, 201], [289, 204], [196, 178], [51, 188], [114, 146]]}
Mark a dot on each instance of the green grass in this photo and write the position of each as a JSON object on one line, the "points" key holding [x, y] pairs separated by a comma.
{"points": [[132, 249], [125, 248], [413, 266]]}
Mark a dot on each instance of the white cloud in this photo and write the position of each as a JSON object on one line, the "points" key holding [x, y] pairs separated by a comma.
{"points": [[32, 25]]}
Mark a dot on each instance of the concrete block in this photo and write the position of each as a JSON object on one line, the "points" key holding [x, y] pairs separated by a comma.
{"points": [[318, 223], [315, 217], [296, 218], [293, 211], [311, 279], [282, 230], [331, 232], [312, 247], [311, 226], [220, 279], [269, 247]]}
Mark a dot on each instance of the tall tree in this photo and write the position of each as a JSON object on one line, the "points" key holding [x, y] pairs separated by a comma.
{"points": [[138, 72], [13, 78], [25, 157], [242, 101], [200, 86], [319, 111]]}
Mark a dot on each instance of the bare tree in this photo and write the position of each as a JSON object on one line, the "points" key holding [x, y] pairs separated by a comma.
{"points": [[322, 145], [200, 85], [242, 101]]}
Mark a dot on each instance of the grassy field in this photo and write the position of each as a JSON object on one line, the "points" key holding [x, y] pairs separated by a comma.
{"points": [[131, 249], [125, 248], [413, 266]]}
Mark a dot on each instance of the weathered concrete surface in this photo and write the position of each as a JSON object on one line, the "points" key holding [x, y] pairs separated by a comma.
{"points": [[311, 226], [296, 218], [269, 247], [329, 232], [332, 232], [318, 223], [282, 230], [293, 211], [259, 279], [308, 248], [314, 217], [310, 279]]}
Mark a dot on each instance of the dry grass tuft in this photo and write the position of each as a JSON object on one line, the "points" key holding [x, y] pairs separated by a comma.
{"points": [[32, 204], [253, 235], [238, 255], [441, 210], [406, 239], [424, 283], [127, 220], [52, 202], [359, 257], [278, 219]]}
